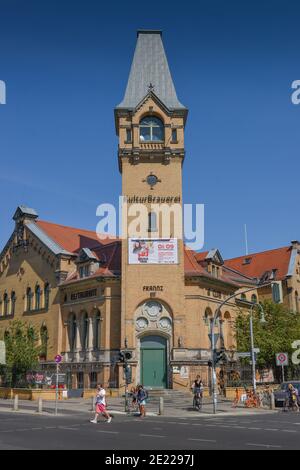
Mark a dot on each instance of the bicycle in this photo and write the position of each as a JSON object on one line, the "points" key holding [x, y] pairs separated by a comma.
{"points": [[197, 401]]}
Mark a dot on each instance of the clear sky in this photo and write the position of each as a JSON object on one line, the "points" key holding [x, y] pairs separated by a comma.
{"points": [[66, 64]]}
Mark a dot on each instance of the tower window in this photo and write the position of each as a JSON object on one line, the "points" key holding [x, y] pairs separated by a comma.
{"points": [[174, 135], [128, 136], [152, 222], [151, 129]]}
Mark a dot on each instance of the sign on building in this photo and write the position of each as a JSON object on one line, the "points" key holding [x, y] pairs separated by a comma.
{"points": [[152, 251], [2, 353], [282, 359]]}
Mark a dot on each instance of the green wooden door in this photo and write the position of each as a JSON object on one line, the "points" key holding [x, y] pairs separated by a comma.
{"points": [[154, 362]]}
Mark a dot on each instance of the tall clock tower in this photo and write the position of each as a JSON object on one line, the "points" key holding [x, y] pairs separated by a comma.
{"points": [[150, 123]]}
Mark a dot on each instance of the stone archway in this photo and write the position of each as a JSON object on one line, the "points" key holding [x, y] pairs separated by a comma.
{"points": [[154, 342]]}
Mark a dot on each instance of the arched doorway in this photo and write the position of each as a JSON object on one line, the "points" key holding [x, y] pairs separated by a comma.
{"points": [[154, 367]]}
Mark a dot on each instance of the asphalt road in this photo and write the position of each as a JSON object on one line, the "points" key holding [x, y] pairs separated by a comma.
{"points": [[273, 432]]}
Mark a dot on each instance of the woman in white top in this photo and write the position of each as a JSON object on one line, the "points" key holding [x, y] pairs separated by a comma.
{"points": [[101, 405]]}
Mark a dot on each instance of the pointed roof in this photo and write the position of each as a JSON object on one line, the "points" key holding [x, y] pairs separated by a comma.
{"points": [[24, 211], [150, 73]]}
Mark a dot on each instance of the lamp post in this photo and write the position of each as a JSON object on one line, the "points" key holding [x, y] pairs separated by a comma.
{"points": [[262, 320], [216, 315]]}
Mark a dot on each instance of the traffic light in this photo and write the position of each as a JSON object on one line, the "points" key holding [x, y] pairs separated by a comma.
{"points": [[125, 356], [128, 355], [121, 356], [219, 356]]}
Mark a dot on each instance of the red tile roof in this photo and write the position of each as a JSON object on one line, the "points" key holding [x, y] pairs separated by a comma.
{"points": [[201, 256], [72, 239], [259, 263]]}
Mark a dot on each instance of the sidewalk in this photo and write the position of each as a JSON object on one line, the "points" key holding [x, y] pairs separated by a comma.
{"points": [[117, 406]]}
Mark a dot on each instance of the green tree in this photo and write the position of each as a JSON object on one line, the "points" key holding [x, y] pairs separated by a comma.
{"points": [[282, 327], [22, 353]]}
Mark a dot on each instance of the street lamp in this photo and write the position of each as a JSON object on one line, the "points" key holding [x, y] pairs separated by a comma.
{"points": [[216, 315], [262, 320]]}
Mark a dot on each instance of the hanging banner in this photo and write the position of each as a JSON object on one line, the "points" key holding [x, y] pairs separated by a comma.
{"points": [[152, 251]]}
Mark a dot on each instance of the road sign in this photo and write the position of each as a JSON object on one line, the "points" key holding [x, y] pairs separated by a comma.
{"points": [[248, 353], [2, 353], [243, 354], [58, 359], [216, 337], [282, 359]]}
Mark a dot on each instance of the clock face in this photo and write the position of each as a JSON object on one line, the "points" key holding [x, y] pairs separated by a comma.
{"points": [[153, 309], [152, 180], [142, 323]]}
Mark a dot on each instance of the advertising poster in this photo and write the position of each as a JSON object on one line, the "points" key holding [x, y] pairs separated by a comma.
{"points": [[152, 251]]}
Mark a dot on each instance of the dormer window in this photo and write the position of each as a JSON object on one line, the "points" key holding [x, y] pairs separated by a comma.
{"points": [[84, 271], [151, 129], [247, 261]]}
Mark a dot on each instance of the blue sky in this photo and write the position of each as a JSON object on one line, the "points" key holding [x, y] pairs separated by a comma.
{"points": [[66, 65]]}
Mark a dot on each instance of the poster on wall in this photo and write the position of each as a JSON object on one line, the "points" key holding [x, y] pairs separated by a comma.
{"points": [[152, 251]]}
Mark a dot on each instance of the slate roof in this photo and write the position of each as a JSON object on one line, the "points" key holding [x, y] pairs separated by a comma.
{"points": [[150, 66]]}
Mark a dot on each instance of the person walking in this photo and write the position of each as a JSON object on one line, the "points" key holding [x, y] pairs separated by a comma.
{"points": [[100, 407], [142, 396], [133, 394]]}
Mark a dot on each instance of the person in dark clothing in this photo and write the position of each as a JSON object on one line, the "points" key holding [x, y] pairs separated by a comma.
{"points": [[142, 396]]}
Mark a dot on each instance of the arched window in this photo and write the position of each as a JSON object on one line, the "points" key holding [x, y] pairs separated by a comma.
{"points": [[28, 299], [97, 331], [84, 336], [13, 303], [254, 298], [207, 316], [44, 341], [5, 305], [152, 222], [72, 332], [46, 295], [243, 297], [37, 297], [151, 129]]}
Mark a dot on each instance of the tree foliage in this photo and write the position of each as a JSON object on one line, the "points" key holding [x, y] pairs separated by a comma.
{"points": [[22, 352], [282, 327]]}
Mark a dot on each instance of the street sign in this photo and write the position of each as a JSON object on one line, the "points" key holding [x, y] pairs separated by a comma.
{"points": [[243, 354], [58, 359], [248, 353], [282, 359], [216, 337], [2, 353]]}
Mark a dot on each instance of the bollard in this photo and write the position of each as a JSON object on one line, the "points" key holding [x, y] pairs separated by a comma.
{"points": [[40, 405], [272, 401], [161, 406], [92, 404], [16, 403]]}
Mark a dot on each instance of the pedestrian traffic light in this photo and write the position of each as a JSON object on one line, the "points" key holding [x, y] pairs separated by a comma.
{"points": [[219, 356]]}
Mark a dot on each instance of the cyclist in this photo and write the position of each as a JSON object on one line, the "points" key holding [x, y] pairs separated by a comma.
{"points": [[293, 397], [198, 392]]}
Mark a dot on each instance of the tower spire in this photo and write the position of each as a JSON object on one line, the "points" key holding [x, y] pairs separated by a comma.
{"points": [[150, 72]]}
